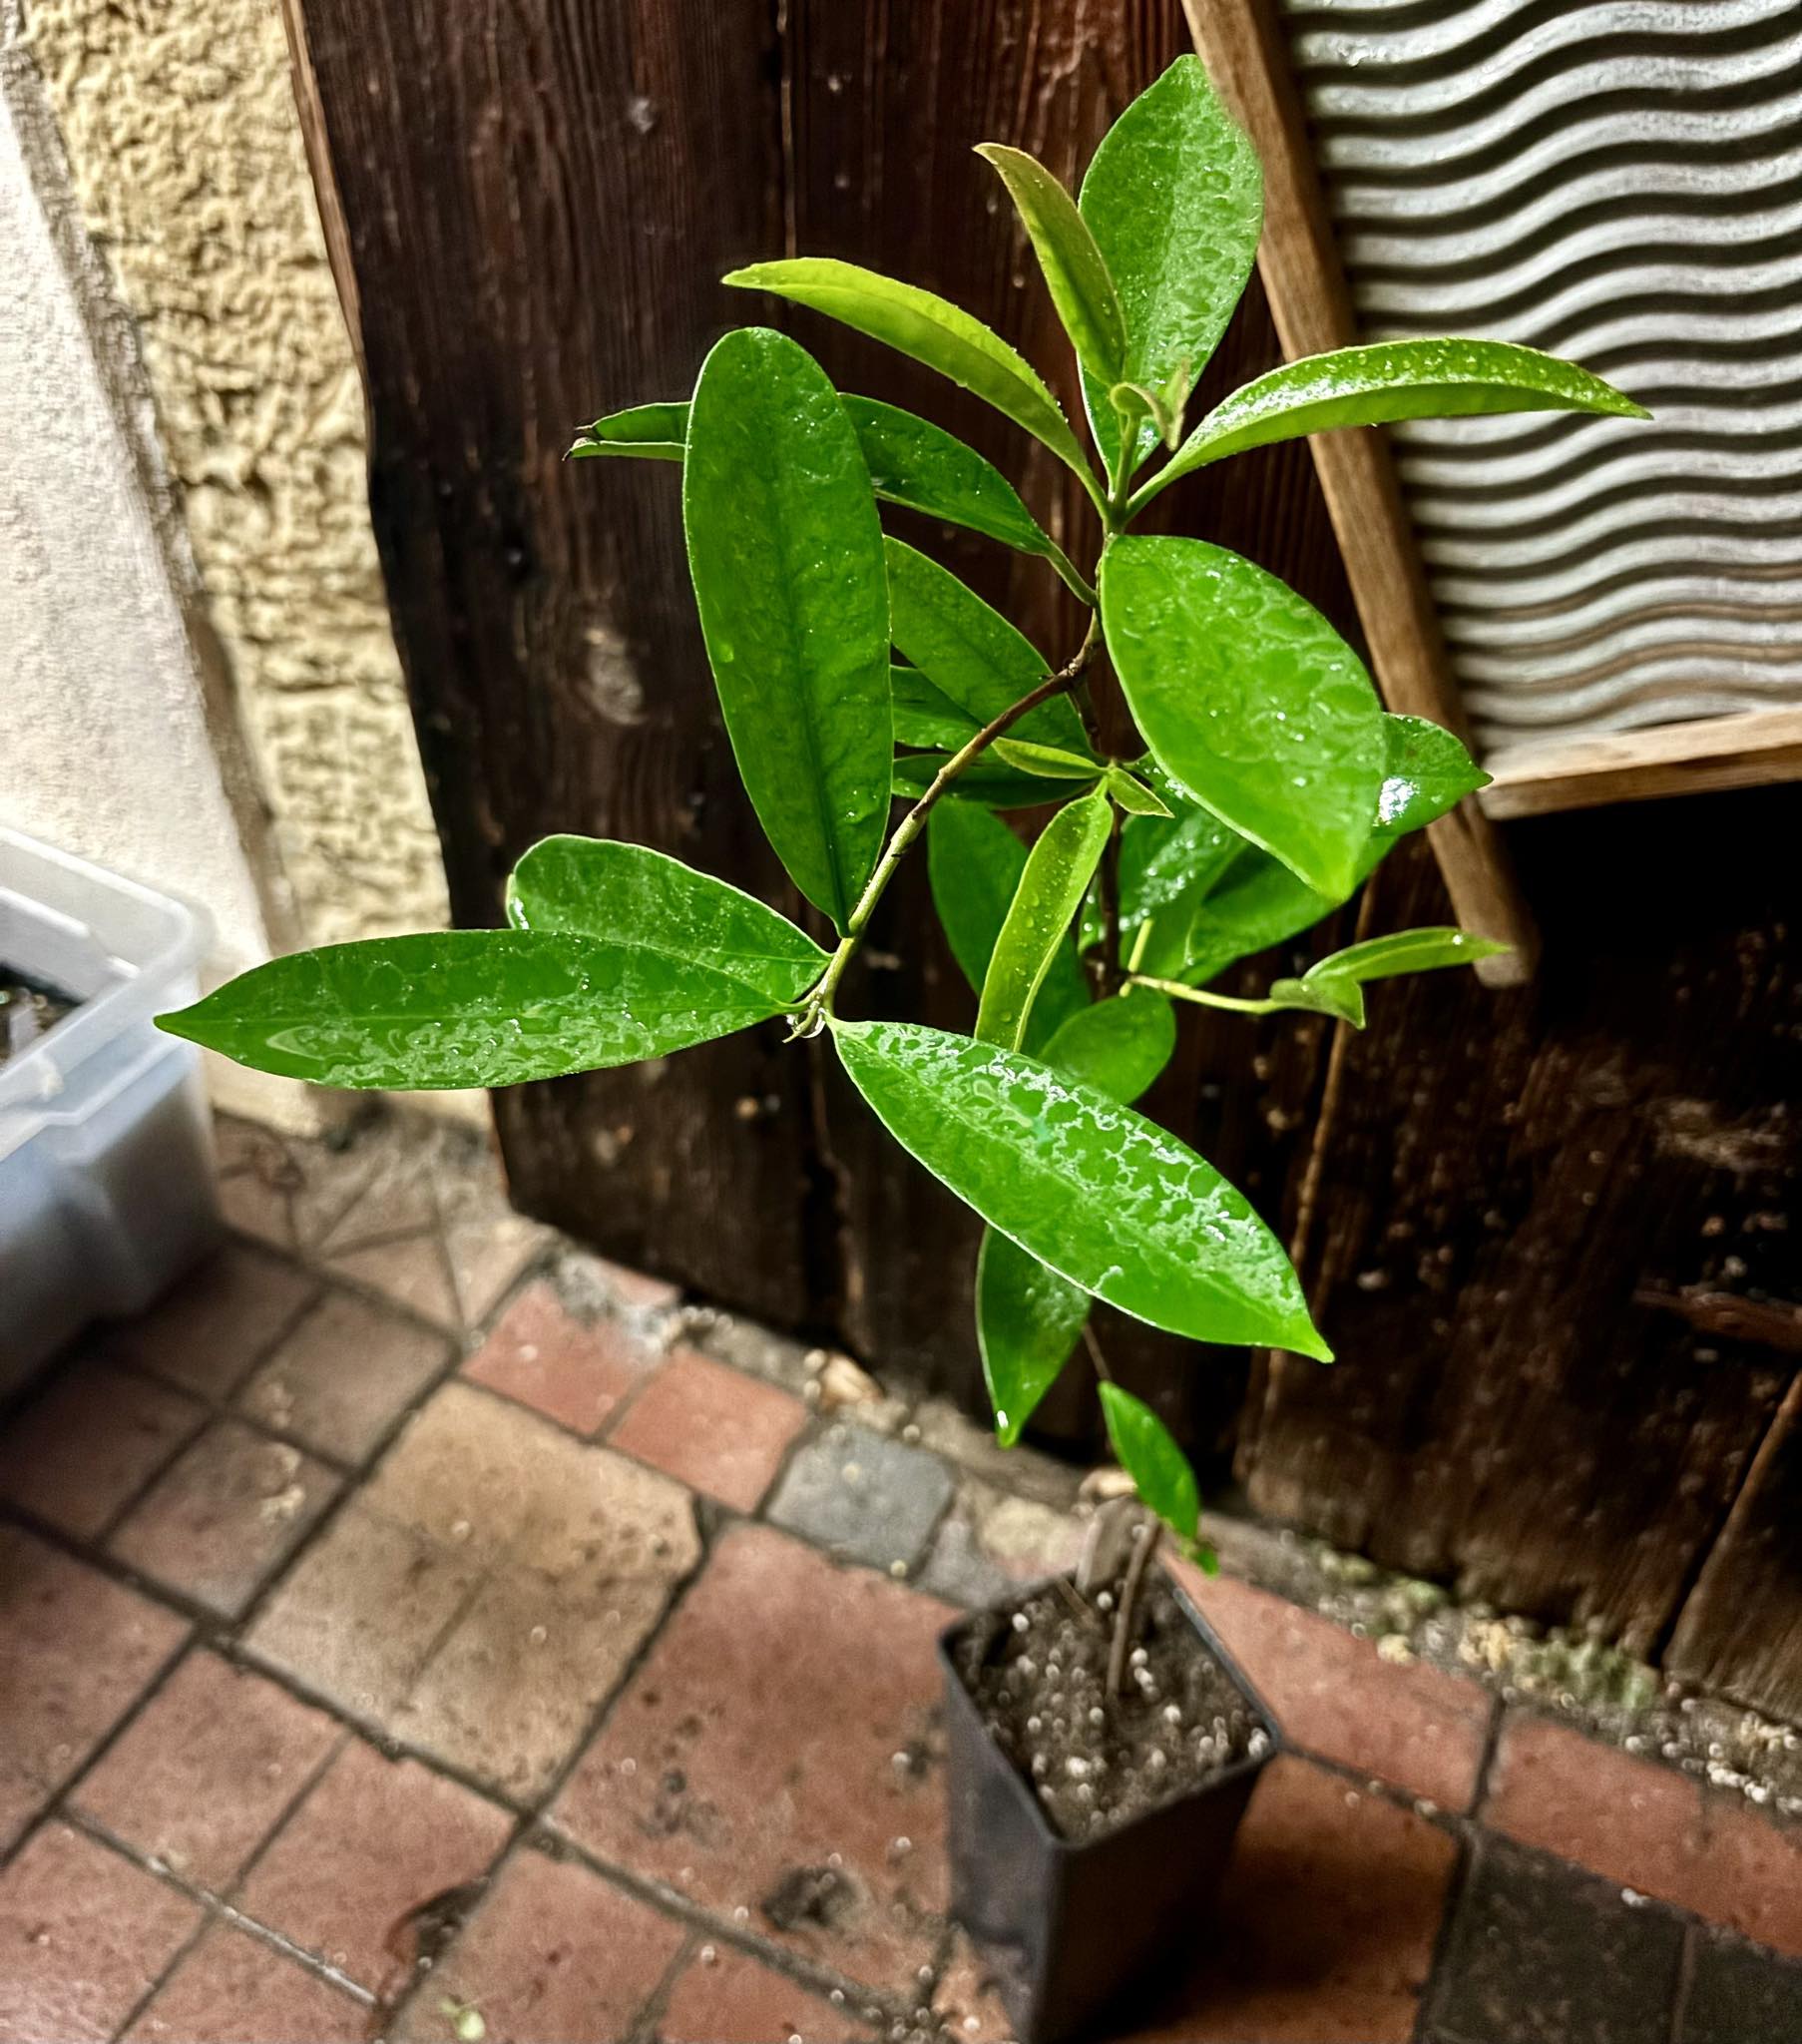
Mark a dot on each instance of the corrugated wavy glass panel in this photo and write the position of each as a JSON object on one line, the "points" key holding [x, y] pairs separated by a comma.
{"points": [[1622, 184]]}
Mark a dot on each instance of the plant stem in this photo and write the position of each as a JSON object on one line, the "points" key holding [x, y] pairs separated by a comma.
{"points": [[1071, 576], [819, 1003], [1177, 991], [1111, 958], [1146, 1538]]}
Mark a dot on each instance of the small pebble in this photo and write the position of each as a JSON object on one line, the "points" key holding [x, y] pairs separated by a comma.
{"points": [[1022, 1622], [1172, 1713], [709, 1956]]}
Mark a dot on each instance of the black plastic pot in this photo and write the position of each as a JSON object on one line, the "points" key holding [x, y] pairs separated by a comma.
{"points": [[1079, 1932]]}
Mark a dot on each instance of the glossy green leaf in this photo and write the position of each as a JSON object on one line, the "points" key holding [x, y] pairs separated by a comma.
{"points": [[1250, 700], [987, 781], [912, 462], [1161, 409], [633, 899], [974, 863], [1075, 272], [1059, 868], [1335, 981], [1108, 1199], [1028, 1323], [1161, 861], [930, 329], [786, 552], [1149, 1453], [650, 432], [1134, 796], [1174, 199], [1390, 381], [473, 1008], [925, 715], [1048, 762], [1426, 772], [969, 651], [1119, 1046]]}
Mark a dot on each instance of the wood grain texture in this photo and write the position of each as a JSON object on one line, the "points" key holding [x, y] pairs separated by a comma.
{"points": [[1514, 1190], [1745, 751], [535, 199], [1300, 270]]}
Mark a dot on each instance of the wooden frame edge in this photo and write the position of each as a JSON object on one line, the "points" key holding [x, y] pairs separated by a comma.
{"points": [[1751, 749]]}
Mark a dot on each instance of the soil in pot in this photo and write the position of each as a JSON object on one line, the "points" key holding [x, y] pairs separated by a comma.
{"points": [[1038, 1672], [28, 1007]]}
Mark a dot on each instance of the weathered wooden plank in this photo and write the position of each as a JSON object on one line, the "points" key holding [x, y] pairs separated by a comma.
{"points": [[534, 199], [1513, 1188]]}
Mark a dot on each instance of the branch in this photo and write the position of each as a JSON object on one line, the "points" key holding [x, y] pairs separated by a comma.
{"points": [[1177, 991], [819, 1003]]}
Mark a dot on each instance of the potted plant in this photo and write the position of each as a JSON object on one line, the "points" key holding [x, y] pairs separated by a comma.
{"points": [[1103, 1747]]}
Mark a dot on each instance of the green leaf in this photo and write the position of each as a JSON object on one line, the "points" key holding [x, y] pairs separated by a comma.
{"points": [[1119, 1046], [1334, 983], [1059, 868], [1174, 199], [474, 1008], [926, 715], [1048, 762], [1027, 1321], [1389, 381], [1134, 796], [1134, 403], [786, 552], [1149, 1453], [633, 899], [1250, 700], [1426, 772], [930, 329], [1075, 272], [987, 781], [1110, 1200], [1161, 862], [969, 651], [654, 432], [974, 863]]}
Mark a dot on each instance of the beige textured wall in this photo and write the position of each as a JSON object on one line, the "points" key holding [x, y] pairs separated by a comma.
{"points": [[184, 155]]}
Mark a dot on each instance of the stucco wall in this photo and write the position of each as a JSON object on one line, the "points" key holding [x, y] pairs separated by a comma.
{"points": [[188, 173]]}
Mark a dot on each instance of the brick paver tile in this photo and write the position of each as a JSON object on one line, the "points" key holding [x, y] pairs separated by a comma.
{"points": [[991, 1543], [83, 1936], [722, 1996], [373, 1842], [713, 1428], [413, 1271], [77, 1653], [339, 1379], [967, 1998], [1326, 1925], [556, 1955], [359, 1614], [89, 1443], [205, 1770], [572, 1369], [1649, 1827], [224, 1516], [1414, 1726], [233, 1988], [1739, 1995], [218, 1322], [1543, 1954], [585, 1274], [777, 1757], [864, 1496]]}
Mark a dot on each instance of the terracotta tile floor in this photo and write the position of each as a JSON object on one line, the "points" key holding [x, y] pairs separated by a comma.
{"points": [[419, 1629]]}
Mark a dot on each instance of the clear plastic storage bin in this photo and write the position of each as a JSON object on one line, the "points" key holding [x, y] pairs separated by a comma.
{"points": [[107, 1188]]}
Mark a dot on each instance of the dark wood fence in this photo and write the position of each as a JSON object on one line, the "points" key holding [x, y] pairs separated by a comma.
{"points": [[1548, 1231]]}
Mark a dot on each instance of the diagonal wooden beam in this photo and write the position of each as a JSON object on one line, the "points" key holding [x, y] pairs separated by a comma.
{"points": [[1312, 309]]}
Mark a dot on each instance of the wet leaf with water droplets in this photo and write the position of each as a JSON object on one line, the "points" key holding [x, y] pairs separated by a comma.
{"points": [[931, 330], [1335, 984], [1103, 1196], [925, 715], [786, 552], [1074, 269], [1056, 874], [1149, 1453], [1175, 199], [1248, 700], [1388, 380], [974, 863], [467, 1008]]}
